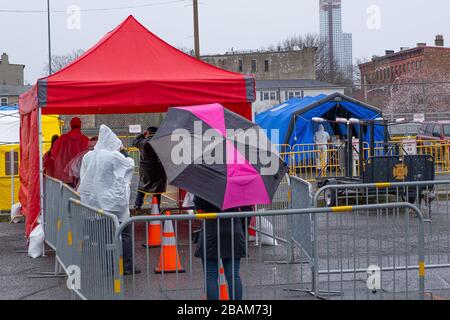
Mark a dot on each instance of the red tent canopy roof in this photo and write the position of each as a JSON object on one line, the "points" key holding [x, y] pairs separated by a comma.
{"points": [[131, 52], [132, 70], [129, 71]]}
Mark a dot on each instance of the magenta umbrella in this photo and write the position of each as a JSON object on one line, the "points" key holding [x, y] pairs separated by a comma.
{"points": [[219, 156]]}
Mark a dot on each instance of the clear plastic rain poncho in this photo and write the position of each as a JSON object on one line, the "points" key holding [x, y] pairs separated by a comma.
{"points": [[105, 176], [321, 136]]}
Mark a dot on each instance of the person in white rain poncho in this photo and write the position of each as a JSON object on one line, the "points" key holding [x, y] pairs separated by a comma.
{"points": [[321, 138], [105, 178]]}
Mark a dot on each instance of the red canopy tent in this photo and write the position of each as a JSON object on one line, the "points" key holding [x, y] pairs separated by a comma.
{"points": [[130, 70]]}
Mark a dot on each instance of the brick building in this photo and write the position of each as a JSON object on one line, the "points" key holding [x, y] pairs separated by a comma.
{"points": [[389, 67], [268, 65], [395, 69]]}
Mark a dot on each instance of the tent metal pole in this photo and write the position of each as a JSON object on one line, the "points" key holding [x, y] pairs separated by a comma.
{"points": [[41, 172], [362, 155], [349, 163]]}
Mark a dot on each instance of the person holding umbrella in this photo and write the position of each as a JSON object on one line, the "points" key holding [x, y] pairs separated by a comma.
{"points": [[229, 175], [231, 255]]}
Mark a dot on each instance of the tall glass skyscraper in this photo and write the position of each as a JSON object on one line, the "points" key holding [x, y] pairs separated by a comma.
{"points": [[339, 48]]}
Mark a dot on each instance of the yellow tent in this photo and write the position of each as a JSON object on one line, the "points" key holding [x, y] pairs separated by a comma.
{"points": [[9, 142]]}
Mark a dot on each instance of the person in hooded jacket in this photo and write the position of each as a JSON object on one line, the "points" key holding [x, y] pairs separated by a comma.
{"points": [[74, 165], [231, 231], [152, 177], [48, 162], [105, 179], [321, 139], [67, 147]]}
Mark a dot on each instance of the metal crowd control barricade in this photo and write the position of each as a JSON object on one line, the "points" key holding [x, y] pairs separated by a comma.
{"points": [[94, 255], [275, 226], [394, 232], [287, 230], [440, 150], [260, 280], [301, 197], [52, 194], [64, 226], [83, 238]]}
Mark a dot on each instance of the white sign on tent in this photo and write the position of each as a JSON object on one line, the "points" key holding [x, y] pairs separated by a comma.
{"points": [[135, 128]]}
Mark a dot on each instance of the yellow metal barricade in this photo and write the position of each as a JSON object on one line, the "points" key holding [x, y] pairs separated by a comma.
{"points": [[440, 152], [308, 161]]}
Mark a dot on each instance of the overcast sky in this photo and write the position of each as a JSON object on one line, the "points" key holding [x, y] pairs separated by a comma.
{"points": [[224, 24]]}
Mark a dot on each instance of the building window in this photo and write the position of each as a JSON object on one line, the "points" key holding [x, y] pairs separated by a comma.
{"points": [[268, 95], [3, 101], [273, 96], [241, 66], [266, 65], [294, 94], [8, 159], [254, 65]]}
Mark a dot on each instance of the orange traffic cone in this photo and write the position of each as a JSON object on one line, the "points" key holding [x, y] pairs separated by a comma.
{"points": [[169, 260], [154, 227], [223, 286]]}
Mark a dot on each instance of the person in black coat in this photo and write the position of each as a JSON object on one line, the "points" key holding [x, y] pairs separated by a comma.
{"points": [[210, 238], [152, 177]]}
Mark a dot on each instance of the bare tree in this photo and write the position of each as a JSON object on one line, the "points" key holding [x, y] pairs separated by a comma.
{"points": [[325, 71], [188, 51], [60, 61], [424, 90], [357, 77]]}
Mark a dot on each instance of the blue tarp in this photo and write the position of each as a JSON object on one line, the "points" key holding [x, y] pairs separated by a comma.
{"points": [[9, 108], [279, 117]]}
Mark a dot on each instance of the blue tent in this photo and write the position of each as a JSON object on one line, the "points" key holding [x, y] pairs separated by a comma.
{"points": [[293, 119]]}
